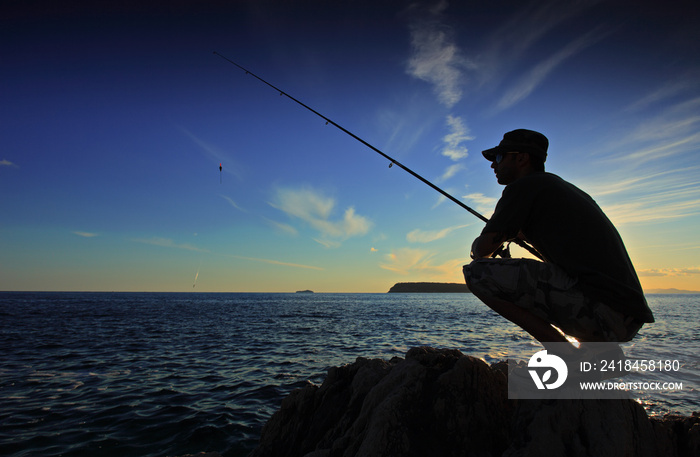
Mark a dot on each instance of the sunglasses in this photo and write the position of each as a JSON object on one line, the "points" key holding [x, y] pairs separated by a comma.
{"points": [[501, 155]]}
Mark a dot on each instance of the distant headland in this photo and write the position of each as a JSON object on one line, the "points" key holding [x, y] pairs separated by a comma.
{"points": [[443, 287], [670, 291], [429, 287]]}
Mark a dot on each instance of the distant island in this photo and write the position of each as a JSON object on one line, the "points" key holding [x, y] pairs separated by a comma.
{"points": [[307, 291], [429, 287], [670, 291]]}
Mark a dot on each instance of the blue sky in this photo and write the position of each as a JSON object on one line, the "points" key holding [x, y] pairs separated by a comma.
{"points": [[115, 119]]}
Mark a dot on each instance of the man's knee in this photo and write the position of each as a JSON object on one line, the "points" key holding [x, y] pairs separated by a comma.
{"points": [[493, 277], [468, 275], [475, 276]]}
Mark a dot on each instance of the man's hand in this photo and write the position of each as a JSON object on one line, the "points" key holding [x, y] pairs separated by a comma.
{"points": [[486, 244]]}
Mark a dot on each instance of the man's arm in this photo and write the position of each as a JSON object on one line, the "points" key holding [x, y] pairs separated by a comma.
{"points": [[486, 244]]}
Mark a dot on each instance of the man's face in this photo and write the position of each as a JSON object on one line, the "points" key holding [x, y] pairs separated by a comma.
{"points": [[505, 167]]}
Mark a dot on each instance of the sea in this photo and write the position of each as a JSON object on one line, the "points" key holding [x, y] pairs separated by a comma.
{"points": [[168, 374]]}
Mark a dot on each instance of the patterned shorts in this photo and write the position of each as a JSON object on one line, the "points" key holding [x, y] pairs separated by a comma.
{"points": [[547, 291]]}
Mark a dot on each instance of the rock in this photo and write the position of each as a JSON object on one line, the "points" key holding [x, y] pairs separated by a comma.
{"points": [[679, 434], [441, 402]]}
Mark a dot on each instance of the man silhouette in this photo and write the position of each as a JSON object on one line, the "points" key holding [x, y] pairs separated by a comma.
{"points": [[586, 286]]}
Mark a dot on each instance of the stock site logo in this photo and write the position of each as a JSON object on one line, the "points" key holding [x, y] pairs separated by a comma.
{"points": [[546, 364]]}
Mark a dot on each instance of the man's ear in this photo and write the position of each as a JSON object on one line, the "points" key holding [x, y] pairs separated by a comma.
{"points": [[523, 158]]}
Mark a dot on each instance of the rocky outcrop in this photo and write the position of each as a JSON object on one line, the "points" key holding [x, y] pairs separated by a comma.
{"points": [[439, 402]]}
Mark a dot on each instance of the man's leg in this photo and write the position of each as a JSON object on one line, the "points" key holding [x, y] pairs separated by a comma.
{"points": [[500, 283], [539, 328]]}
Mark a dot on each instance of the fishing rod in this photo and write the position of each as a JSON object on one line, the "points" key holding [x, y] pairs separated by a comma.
{"points": [[391, 160]]}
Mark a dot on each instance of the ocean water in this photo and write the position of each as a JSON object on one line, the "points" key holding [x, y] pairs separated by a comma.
{"points": [[160, 374]]}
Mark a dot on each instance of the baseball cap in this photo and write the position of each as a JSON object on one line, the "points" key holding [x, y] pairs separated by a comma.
{"points": [[520, 140]]}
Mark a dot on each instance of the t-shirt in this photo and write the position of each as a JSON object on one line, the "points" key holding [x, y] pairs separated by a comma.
{"points": [[570, 230]]}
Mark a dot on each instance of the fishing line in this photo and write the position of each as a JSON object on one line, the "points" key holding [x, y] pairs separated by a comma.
{"points": [[391, 160]]}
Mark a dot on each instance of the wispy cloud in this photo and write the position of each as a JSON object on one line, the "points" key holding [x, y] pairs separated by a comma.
{"points": [[284, 228], [426, 236], [85, 234], [316, 209], [484, 204], [509, 44], [480, 199], [459, 133], [422, 263], [676, 87], [650, 209], [406, 259], [648, 173], [330, 244], [436, 58], [456, 70], [231, 202], [691, 271], [277, 262], [402, 127], [451, 171], [660, 180], [672, 130], [168, 243], [454, 147], [650, 197], [217, 154], [7, 163], [440, 200], [536, 76]]}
